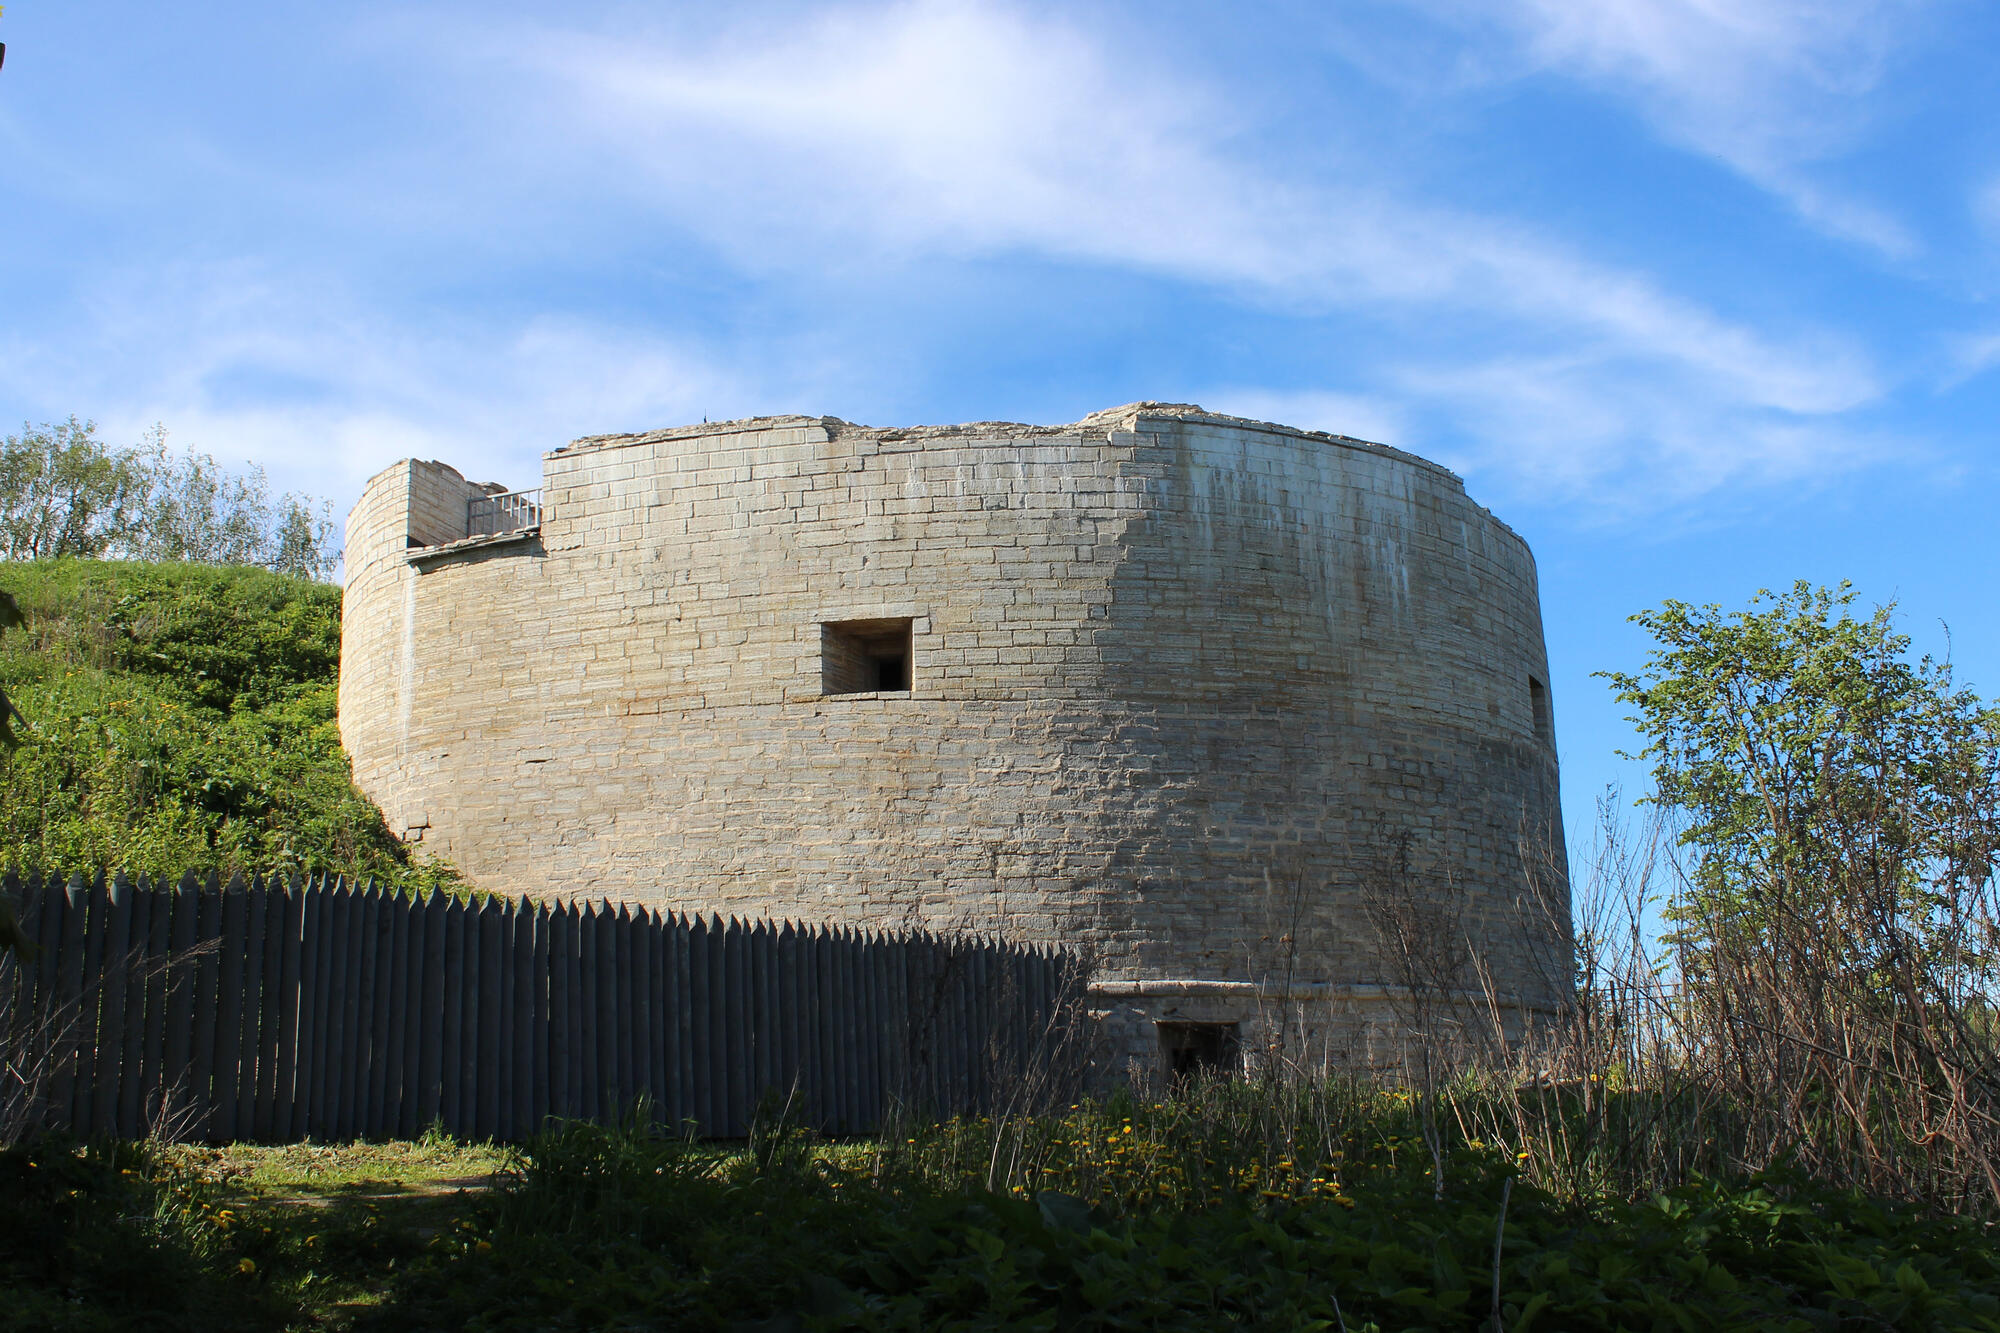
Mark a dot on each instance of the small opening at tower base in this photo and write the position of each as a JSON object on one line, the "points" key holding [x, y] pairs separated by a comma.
{"points": [[865, 656], [1194, 1050]]}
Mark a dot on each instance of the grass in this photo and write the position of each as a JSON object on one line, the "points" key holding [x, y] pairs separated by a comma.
{"points": [[308, 1236], [1168, 1214], [316, 1173]]}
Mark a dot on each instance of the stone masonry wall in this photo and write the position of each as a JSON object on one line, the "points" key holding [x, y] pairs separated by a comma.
{"points": [[1196, 693]]}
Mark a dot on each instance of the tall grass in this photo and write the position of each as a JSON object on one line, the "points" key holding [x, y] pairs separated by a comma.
{"points": [[1836, 1040], [1828, 1048]]}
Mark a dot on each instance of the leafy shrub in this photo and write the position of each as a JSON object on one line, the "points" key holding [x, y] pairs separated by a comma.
{"points": [[612, 1228], [183, 719], [92, 1238]]}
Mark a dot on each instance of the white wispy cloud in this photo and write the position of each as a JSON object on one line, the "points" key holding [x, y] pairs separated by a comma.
{"points": [[1973, 354], [1621, 436], [1768, 87], [963, 128], [1986, 207], [848, 143], [972, 129], [309, 379]]}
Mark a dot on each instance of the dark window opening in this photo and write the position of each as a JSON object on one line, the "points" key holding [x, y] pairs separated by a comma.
{"points": [[1196, 1049], [865, 656], [1538, 703]]}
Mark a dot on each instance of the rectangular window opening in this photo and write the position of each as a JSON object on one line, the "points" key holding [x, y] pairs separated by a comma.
{"points": [[865, 656], [1538, 703], [1197, 1050]]}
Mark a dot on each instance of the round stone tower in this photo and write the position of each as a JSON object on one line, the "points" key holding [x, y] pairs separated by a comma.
{"points": [[1257, 716]]}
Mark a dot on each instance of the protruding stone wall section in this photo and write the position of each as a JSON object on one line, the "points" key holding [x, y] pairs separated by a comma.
{"points": [[393, 624], [439, 497], [1178, 685]]}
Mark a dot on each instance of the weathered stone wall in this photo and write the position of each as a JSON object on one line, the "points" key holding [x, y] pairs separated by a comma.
{"points": [[1182, 686]]}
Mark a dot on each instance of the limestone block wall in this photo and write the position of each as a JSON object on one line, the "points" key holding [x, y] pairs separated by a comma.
{"points": [[1188, 691]]}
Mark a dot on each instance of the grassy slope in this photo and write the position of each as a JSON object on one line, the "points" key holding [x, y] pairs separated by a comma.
{"points": [[183, 719]]}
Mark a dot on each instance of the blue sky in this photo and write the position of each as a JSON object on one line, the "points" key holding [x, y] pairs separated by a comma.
{"points": [[1697, 295]]}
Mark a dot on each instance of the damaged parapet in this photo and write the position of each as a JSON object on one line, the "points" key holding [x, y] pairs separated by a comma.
{"points": [[1202, 697], [423, 510]]}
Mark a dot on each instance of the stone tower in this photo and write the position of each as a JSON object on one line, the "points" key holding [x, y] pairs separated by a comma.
{"points": [[1198, 694]]}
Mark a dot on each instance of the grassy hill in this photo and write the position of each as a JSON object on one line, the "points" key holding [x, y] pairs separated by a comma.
{"points": [[182, 719]]}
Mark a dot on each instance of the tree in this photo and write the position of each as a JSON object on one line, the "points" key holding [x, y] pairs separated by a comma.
{"points": [[1820, 771], [302, 544], [63, 492], [1835, 973], [196, 510]]}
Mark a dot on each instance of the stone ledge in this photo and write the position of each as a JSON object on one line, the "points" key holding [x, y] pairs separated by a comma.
{"points": [[1167, 988], [418, 555]]}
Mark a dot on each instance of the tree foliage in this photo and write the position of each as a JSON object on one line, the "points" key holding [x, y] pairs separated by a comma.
{"points": [[1818, 766], [64, 492], [1836, 938]]}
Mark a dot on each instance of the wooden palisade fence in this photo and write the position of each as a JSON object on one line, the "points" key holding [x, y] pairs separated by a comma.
{"points": [[278, 1011]]}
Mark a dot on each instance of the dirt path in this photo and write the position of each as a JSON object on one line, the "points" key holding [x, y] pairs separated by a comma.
{"points": [[360, 1192]]}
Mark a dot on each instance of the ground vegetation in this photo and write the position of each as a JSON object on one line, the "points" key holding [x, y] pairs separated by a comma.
{"points": [[181, 718], [1129, 1214]]}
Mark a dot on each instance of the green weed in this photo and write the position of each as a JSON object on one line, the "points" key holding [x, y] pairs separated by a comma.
{"points": [[182, 718], [1156, 1215]]}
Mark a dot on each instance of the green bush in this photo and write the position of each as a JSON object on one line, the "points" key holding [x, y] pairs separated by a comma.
{"points": [[602, 1228], [182, 718], [95, 1238], [612, 1228]]}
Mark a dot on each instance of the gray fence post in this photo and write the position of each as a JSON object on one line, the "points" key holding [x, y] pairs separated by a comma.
{"points": [[451, 1070], [113, 936], [160, 908], [483, 1057], [430, 1046]]}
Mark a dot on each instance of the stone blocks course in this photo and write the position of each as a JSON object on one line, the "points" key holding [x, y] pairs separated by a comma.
{"points": [[1180, 688]]}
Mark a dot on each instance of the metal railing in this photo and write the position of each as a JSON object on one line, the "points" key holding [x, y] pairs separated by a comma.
{"points": [[509, 511]]}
